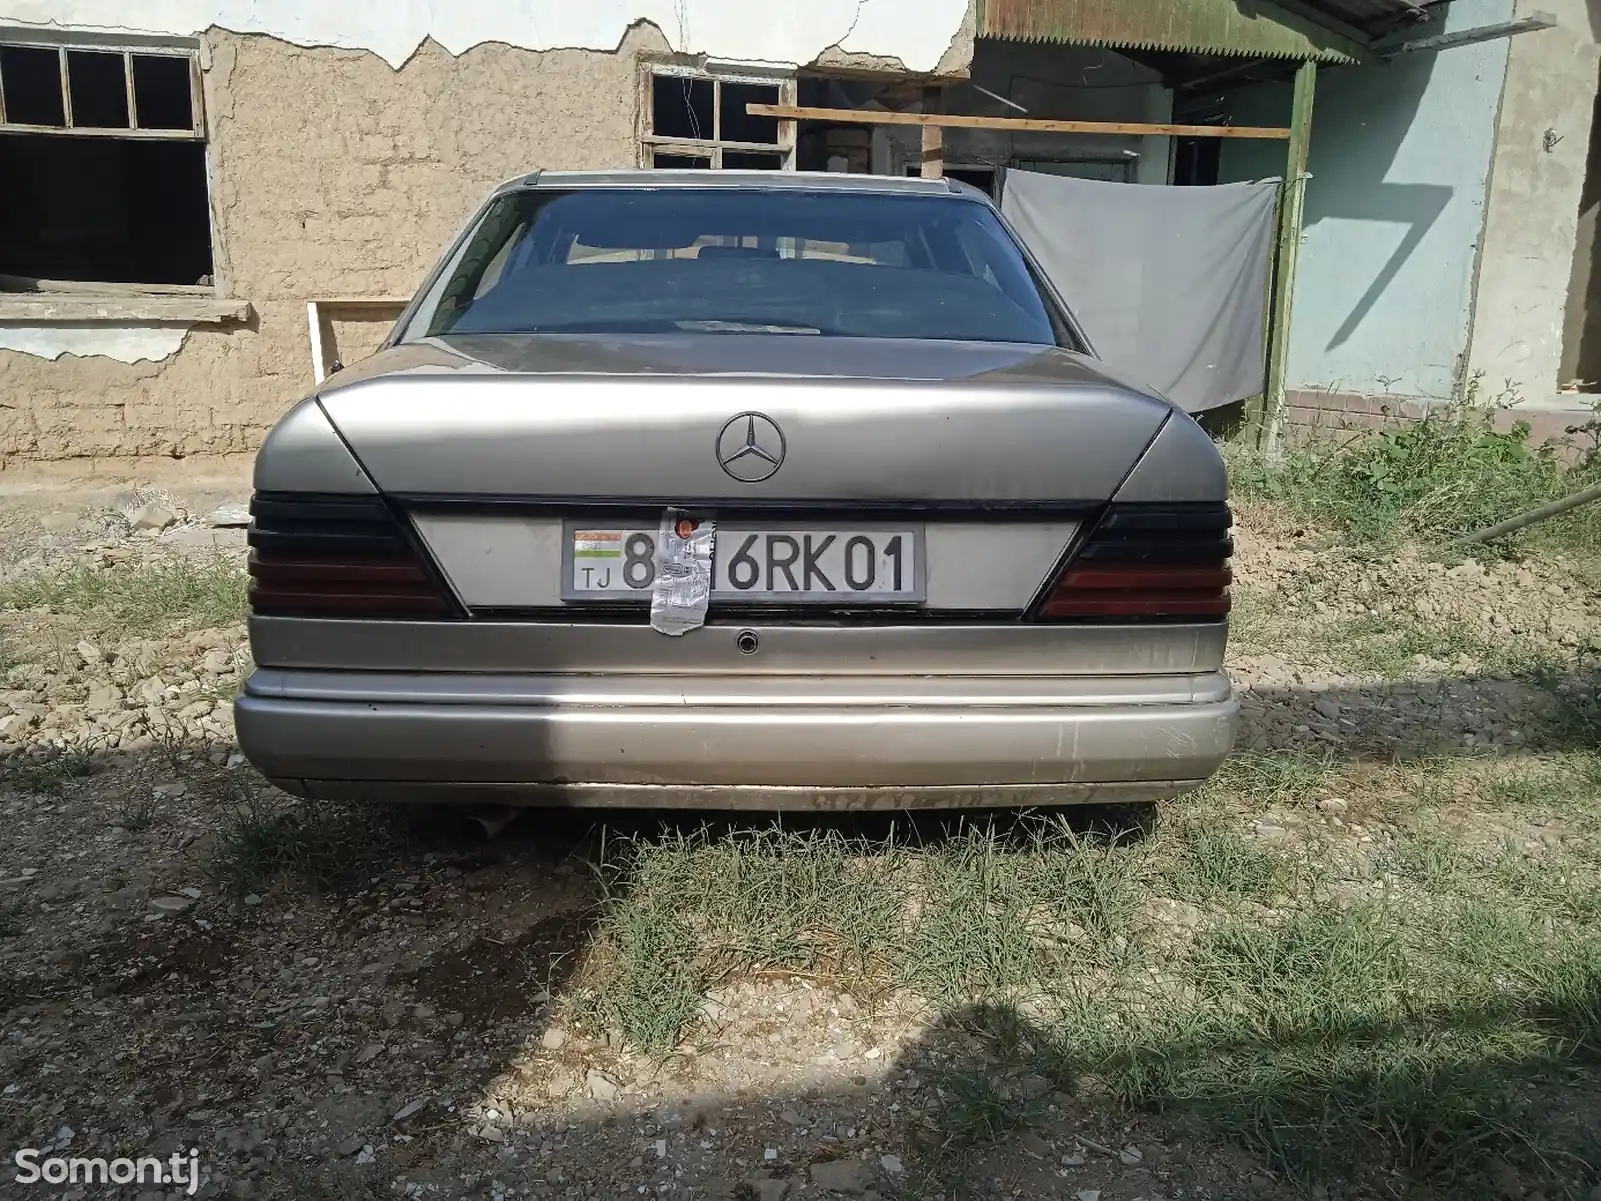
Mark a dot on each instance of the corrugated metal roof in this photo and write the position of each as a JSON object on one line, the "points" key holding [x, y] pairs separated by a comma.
{"points": [[1373, 17], [1206, 26], [1365, 20], [1325, 30]]}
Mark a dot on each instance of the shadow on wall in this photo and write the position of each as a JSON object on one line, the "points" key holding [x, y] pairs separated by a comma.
{"points": [[1374, 108], [1360, 120]]}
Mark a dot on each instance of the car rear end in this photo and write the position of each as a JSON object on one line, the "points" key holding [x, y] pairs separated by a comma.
{"points": [[946, 571]]}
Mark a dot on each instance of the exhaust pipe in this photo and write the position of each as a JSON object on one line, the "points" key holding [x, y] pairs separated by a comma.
{"points": [[494, 820]]}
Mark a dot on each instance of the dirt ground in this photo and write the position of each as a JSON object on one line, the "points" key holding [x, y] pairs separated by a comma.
{"points": [[408, 1022]]}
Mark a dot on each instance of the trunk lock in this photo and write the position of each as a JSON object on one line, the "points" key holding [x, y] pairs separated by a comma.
{"points": [[746, 642]]}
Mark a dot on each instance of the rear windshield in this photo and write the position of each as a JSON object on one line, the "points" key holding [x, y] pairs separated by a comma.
{"points": [[720, 260]]}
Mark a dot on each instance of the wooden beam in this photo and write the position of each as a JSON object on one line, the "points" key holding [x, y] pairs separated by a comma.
{"points": [[1532, 23], [42, 307], [1292, 207], [933, 138], [10, 284], [363, 302], [319, 369], [79, 131], [66, 88], [851, 116], [319, 318]]}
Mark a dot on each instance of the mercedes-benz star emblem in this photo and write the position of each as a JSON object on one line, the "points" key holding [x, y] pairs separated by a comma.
{"points": [[750, 447]]}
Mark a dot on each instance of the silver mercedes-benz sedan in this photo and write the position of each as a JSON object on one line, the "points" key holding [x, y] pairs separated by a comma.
{"points": [[737, 490]]}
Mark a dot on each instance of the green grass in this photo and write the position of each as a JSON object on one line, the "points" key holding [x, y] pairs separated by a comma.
{"points": [[681, 914], [13, 918], [1380, 644], [1447, 475], [1567, 785], [976, 915], [48, 774], [995, 918], [1387, 646], [1290, 977], [1256, 780], [1415, 1044], [330, 1182], [263, 841], [1367, 1048], [139, 814], [1429, 861], [1217, 863], [184, 593], [982, 1106]]}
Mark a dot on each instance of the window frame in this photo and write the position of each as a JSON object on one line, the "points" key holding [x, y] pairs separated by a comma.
{"points": [[128, 47], [651, 143], [80, 299]]}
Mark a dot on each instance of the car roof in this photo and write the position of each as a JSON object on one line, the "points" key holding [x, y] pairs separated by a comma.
{"points": [[805, 181]]}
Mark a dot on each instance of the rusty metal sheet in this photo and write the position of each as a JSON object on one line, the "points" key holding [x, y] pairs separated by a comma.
{"points": [[1254, 28]]}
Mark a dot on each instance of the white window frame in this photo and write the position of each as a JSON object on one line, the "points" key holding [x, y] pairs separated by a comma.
{"points": [[650, 143]]}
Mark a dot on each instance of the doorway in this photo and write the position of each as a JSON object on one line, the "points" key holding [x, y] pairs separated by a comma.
{"points": [[1581, 333]]}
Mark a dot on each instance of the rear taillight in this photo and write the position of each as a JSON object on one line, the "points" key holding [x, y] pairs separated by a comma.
{"points": [[1147, 560], [336, 556]]}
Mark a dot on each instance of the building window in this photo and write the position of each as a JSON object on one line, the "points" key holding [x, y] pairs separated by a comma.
{"points": [[103, 154], [697, 119]]}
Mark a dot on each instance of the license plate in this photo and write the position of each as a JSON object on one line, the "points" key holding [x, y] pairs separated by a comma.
{"points": [[813, 564]]}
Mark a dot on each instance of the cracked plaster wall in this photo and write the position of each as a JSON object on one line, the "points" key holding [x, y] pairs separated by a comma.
{"points": [[913, 35]]}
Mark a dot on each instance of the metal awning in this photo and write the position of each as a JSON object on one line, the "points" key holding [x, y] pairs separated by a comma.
{"points": [[1328, 31]]}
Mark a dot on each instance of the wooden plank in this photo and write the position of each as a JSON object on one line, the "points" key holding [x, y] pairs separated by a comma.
{"points": [[851, 116], [933, 137], [933, 152], [1532, 23], [789, 131], [321, 314], [154, 135], [1291, 214], [66, 89], [319, 370], [691, 146], [197, 93], [362, 302], [100, 288], [127, 86], [37, 307]]}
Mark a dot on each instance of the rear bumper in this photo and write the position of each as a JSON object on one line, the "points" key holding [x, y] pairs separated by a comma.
{"points": [[735, 741]]}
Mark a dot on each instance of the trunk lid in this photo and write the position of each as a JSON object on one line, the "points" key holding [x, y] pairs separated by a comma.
{"points": [[854, 423]]}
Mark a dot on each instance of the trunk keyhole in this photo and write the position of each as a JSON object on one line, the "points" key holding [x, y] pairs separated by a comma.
{"points": [[747, 642]]}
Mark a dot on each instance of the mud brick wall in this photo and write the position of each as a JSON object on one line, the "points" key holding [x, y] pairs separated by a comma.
{"points": [[332, 175]]}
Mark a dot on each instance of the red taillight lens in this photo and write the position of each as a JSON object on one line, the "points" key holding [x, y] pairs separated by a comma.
{"points": [[322, 556], [1149, 561]]}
